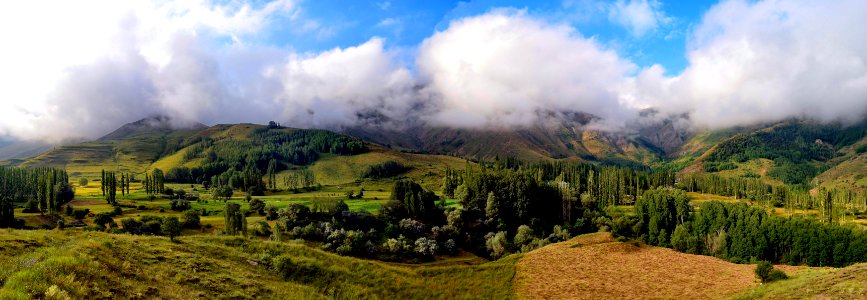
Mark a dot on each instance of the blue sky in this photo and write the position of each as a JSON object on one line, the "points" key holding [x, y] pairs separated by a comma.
{"points": [[405, 24]]}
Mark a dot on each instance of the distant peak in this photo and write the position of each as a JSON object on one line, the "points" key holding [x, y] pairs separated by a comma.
{"points": [[153, 123]]}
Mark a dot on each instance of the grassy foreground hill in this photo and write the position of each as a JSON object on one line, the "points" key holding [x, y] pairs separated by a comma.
{"points": [[93, 265]]}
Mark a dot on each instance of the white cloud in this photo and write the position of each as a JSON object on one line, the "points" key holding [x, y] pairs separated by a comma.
{"points": [[503, 67], [767, 61], [639, 17], [76, 71], [329, 88]]}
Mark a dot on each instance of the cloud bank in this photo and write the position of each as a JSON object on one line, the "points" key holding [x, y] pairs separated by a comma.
{"points": [[76, 72]]}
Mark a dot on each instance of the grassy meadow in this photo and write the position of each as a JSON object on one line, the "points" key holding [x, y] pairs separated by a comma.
{"points": [[56, 264]]}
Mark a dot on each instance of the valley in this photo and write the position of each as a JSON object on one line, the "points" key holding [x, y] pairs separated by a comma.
{"points": [[398, 216]]}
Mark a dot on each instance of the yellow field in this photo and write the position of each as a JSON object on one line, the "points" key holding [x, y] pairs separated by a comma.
{"points": [[594, 266]]}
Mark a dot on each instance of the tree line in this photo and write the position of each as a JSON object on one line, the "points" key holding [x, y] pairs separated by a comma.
{"points": [[740, 233], [42, 190], [834, 205]]}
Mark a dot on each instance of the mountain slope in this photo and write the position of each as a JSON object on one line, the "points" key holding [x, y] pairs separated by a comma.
{"points": [[131, 148], [530, 143], [792, 152]]}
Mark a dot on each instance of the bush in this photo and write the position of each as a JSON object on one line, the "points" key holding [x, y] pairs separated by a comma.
{"points": [[180, 205], [258, 206], [496, 244], [262, 229], [117, 211], [766, 272], [80, 214], [191, 219], [103, 219], [426, 248]]}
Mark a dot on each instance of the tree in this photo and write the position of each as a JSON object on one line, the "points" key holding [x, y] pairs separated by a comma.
{"points": [[171, 227], [235, 220], [680, 239], [82, 182], [223, 192], [7, 213]]}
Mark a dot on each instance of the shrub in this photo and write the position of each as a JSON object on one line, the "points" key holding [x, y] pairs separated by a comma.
{"points": [[426, 248], [191, 219], [496, 244], [180, 205], [131, 226], [103, 219], [79, 214], [766, 272], [262, 229], [258, 206], [523, 236]]}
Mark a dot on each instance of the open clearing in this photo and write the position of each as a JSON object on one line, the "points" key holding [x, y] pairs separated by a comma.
{"points": [[594, 266]]}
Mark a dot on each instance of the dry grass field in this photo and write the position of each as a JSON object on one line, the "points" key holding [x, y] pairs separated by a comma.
{"points": [[594, 266]]}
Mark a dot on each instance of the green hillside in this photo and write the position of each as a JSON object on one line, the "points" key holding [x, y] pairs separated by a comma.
{"points": [[790, 152], [75, 264]]}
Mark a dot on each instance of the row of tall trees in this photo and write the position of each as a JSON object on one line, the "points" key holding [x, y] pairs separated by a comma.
{"points": [[155, 183], [833, 204], [40, 189]]}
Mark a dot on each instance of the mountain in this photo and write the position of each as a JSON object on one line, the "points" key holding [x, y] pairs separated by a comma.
{"points": [[16, 149], [560, 135], [132, 147], [792, 151]]}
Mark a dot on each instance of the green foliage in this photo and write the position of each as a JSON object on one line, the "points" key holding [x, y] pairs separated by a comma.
{"points": [[258, 206], [659, 212], [766, 272], [191, 219], [235, 220], [794, 147], [418, 202], [171, 227], [266, 150], [103, 219]]}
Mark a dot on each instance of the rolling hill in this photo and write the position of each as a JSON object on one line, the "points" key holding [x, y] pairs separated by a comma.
{"points": [[54, 264]]}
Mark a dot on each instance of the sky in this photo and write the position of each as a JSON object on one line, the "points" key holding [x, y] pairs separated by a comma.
{"points": [[79, 69]]}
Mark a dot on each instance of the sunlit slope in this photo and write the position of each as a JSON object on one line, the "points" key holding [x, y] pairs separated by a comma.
{"points": [[594, 266], [99, 265]]}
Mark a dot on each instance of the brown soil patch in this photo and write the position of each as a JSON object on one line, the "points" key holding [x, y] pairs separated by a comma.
{"points": [[596, 267]]}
